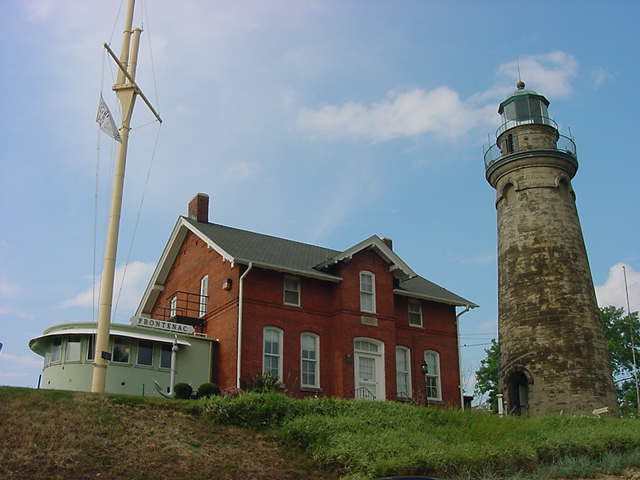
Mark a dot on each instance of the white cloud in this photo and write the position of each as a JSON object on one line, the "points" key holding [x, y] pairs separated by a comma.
{"points": [[551, 73], [16, 312], [20, 360], [135, 281], [439, 111], [612, 292], [600, 76], [400, 114]]}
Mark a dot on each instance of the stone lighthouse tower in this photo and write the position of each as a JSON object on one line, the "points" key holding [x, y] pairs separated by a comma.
{"points": [[553, 353]]}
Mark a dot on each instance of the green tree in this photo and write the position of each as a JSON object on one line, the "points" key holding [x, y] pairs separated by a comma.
{"points": [[622, 332], [488, 374]]}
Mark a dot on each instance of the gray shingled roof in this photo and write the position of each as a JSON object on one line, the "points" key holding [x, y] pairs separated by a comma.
{"points": [[245, 246]]}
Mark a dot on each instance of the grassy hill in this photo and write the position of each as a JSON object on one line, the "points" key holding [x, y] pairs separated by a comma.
{"points": [[54, 434]]}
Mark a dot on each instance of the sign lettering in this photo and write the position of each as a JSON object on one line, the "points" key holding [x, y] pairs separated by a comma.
{"points": [[162, 325]]}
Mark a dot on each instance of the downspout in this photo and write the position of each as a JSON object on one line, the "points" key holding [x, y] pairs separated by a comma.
{"points": [[240, 292], [466, 309]]}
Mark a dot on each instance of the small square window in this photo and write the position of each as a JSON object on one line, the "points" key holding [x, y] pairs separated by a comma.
{"points": [[415, 313], [292, 291]]}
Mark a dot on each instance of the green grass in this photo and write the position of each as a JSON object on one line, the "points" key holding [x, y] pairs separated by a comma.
{"points": [[373, 439]]}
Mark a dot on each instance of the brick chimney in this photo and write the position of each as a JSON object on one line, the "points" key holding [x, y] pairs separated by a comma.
{"points": [[388, 242], [199, 208]]}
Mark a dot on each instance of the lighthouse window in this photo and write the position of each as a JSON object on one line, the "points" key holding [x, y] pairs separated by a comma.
{"points": [[510, 144]]}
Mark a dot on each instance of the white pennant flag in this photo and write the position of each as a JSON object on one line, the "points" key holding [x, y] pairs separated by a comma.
{"points": [[105, 121]]}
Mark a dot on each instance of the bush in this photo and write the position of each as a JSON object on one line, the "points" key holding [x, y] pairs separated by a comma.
{"points": [[182, 390], [256, 410], [207, 390], [266, 383]]}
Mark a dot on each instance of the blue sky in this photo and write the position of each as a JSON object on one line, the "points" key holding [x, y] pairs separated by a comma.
{"points": [[323, 122]]}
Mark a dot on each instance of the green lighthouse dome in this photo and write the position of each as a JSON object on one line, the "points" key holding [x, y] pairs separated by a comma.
{"points": [[524, 107]]}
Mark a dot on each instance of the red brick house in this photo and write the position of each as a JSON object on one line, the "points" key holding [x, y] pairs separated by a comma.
{"points": [[354, 323]]}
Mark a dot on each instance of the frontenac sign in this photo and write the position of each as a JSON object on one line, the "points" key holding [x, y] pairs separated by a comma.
{"points": [[162, 325]]}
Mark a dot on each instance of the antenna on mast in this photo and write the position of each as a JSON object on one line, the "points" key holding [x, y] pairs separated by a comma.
{"points": [[127, 90]]}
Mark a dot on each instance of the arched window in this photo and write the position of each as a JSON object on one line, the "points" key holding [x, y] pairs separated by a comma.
{"points": [[403, 372], [310, 360], [272, 352], [367, 292], [432, 377]]}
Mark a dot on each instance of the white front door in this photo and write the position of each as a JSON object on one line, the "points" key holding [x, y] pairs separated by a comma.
{"points": [[369, 370]]}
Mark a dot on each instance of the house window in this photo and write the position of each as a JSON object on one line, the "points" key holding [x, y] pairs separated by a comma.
{"points": [[310, 366], [432, 377], [415, 313], [204, 291], [91, 348], [272, 352], [165, 355], [173, 307], [403, 372], [121, 350], [292, 291], [73, 349], [56, 346], [145, 353], [367, 292]]}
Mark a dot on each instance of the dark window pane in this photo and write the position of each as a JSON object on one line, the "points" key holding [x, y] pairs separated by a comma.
{"points": [[165, 356], [121, 350], [145, 353]]}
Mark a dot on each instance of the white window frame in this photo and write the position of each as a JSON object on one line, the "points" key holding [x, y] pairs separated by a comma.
{"points": [[316, 346], [113, 350], [59, 359], [364, 273], [91, 339], [147, 365], [379, 355], [407, 352], [67, 351], [285, 290], [280, 334], [414, 303], [438, 376], [173, 306], [204, 297]]}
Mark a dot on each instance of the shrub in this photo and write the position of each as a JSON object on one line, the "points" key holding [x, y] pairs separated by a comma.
{"points": [[232, 392], [208, 389], [182, 390], [257, 410], [266, 383]]}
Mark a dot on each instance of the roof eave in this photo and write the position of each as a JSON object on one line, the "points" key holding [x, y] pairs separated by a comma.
{"points": [[422, 296], [293, 271]]}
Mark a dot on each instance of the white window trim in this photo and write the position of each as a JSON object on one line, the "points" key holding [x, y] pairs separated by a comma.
{"points": [[409, 383], [153, 350], [66, 350], [372, 293], [173, 306], [280, 333], [204, 297], [91, 338], [316, 340], [284, 290], [419, 304], [439, 377], [60, 352]]}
